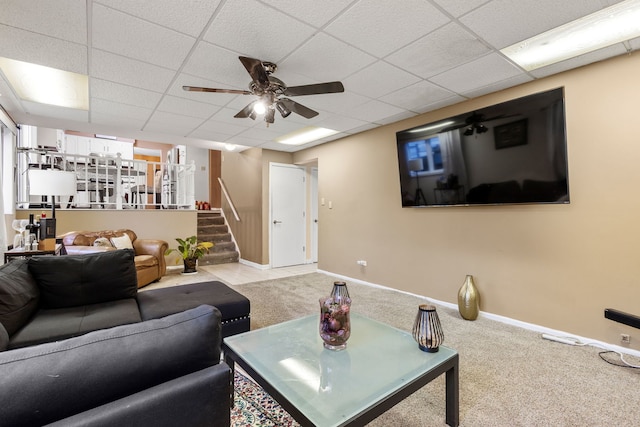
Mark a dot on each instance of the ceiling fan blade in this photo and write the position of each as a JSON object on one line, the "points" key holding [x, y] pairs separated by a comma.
{"points": [[256, 71], [210, 89], [245, 112], [314, 89], [298, 108]]}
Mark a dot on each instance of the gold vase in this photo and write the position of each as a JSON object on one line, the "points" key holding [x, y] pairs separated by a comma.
{"points": [[469, 299]]}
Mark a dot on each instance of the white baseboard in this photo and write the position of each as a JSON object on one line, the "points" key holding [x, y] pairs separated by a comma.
{"points": [[502, 319], [254, 265]]}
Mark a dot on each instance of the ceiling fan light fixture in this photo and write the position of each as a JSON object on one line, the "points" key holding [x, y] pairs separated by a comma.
{"points": [[282, 109], [259, 107], [468, 131], [480, 128], [270, 115]]}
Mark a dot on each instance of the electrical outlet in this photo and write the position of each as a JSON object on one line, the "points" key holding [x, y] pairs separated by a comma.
{"points": [[625, 338]]}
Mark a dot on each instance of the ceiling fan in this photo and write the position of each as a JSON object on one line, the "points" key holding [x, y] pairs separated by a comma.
{"points": [[272, 92]]}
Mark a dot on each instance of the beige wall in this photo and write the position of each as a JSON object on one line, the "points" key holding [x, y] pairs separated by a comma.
{"points": [[147, 224], [557, 266]]}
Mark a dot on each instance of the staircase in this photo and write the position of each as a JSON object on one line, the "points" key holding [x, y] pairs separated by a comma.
{"points": [[212, 227]]}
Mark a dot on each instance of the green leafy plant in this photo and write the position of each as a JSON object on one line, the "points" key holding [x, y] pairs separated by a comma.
{"points": [[190, 248]]}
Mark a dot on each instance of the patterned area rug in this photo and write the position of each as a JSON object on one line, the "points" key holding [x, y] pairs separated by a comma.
{"points": [[254, 407]]}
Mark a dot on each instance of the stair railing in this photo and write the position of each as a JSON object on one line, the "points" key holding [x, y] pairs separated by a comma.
{"points": [[228, 198]]}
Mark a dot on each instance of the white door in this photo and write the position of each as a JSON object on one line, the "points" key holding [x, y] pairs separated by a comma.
{"points": [[314, 214], [287, 215]]}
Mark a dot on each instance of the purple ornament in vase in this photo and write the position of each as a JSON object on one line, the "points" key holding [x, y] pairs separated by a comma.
{"points": [[335, 325]]}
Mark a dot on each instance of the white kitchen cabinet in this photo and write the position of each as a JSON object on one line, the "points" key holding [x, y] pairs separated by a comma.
{"points": [[111, 148]]}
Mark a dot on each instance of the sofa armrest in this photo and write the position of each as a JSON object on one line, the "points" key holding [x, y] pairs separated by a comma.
{"points": [[154, 247], [202, 398]]}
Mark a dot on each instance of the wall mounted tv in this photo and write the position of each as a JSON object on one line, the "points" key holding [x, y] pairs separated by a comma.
{"points": [[510, 153]]}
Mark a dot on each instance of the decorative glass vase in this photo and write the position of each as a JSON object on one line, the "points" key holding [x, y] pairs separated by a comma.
{"points": [[340, 289], [427, 330], [335, 324], [468, 299]]}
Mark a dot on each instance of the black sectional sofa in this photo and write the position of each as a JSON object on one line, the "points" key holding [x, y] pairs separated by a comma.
{"points": [[80, 346]]}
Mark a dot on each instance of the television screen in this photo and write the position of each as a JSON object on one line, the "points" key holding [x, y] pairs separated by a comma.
{"points": [[509, 153]]}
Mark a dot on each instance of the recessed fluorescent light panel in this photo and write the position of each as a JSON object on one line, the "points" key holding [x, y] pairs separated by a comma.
{"points": [[606, 27], [47, 85], [305, 135]]}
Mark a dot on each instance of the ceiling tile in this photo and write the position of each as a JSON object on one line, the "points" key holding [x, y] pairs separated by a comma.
{"points": [[171, 123], [53, 112], [459, 7], [217, 64], [117, 121], [62, 19], [484, 71], [187, 107], [379, 79], [273, 33], [186, 16], [497, 86], [503, 23], [379, 28], [374, 111], [107, 66], [417, 96], [102, 89], [38, 49], [326, 59], [311, 11], [120, 110], [117, 32], [340, 123], [439, 51]]}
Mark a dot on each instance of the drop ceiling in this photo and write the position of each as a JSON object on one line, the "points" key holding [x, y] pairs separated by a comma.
{"points": [[396, 60]]}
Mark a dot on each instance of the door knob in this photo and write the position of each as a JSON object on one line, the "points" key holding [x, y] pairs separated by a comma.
{"points": [[277, 222]]}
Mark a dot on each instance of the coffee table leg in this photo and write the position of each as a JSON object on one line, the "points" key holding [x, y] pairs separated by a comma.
{"points": [[453, 395]]}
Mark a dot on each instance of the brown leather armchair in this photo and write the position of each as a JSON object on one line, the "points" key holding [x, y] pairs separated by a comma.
{"points": [[149, 253]]}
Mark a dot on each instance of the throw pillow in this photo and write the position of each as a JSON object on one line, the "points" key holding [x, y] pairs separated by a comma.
{"points": [[18, 295], [74, 280], [122, 242], [102, 241]]}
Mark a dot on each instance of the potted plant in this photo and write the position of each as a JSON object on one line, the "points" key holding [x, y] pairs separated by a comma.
{"points": [[190, 250]]}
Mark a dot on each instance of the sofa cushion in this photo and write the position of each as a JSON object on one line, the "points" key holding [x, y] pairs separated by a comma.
{"points": [[19, 295], [75, 280], [62, 323], [57, 380], [102, 241], [122, 242]]}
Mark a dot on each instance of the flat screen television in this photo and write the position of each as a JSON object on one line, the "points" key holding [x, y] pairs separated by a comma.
{"points": [[509, 153]]}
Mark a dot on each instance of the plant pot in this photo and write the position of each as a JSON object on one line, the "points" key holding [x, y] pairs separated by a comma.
{"points": [[190, 265]]}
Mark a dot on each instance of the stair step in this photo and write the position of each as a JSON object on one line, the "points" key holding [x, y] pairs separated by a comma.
{"points": [[212, 229], [219, 258], [222, 247], [215, 238], [204, 221]]}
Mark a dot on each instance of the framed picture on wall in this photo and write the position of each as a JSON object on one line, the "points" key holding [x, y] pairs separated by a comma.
{"points": [[510, 134]]}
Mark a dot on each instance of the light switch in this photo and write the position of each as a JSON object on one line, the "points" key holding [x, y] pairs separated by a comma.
{"points": [[322, 201], [330, 204]]}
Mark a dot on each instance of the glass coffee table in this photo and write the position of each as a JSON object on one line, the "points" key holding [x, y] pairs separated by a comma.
{"points": [[380, 367]]}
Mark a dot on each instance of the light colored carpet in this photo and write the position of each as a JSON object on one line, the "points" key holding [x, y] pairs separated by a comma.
{"points": [[508, 376]]}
